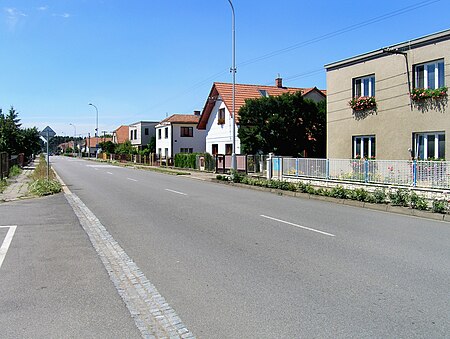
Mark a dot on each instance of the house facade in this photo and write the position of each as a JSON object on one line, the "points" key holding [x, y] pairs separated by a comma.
{"points": [[391, 103], [141, 132], [179, 134], [121, 134], [216, 118]]}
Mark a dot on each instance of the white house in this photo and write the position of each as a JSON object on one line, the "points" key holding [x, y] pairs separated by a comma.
{"points": [[179, 134], [141, 132], [216, 117]]}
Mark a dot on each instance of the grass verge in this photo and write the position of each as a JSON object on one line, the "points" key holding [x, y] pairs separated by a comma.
{"points": [[40, 186]]}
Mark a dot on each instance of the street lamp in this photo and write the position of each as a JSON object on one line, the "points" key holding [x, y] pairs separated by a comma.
{"points": [[96, 121], [233, 71], [74, 136]]}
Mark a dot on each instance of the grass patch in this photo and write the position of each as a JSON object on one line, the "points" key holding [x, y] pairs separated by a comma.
{"points": [[40, 185], [3, 185]]}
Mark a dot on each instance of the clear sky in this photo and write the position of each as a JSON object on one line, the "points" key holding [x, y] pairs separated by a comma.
{"points": [[146, 59]]}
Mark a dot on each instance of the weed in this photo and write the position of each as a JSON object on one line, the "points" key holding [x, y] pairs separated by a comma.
{"points": [[440, 206], [15, 171], [399, 197], [43, 187], [418, 202]]}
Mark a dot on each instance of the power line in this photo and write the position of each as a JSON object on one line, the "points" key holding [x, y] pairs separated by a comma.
{"points": [[303, 44]]}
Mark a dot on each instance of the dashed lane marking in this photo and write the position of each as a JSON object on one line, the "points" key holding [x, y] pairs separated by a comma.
{"points": [[299, 226], [131, 179], [6, 242], [176, 192]]}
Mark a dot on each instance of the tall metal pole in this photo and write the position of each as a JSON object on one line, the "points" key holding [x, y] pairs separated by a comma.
{"points": [[96, 121], [74, 137], [48, 156], [233, 71]]}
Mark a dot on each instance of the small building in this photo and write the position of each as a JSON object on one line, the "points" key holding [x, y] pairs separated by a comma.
{"points": [[216, 118], [141, 133], [120, 134], [179, 134], [391, 103]]}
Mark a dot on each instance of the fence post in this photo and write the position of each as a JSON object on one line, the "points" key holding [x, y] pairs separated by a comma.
{"points": [[296, 167], [366, 170], [414, 173], [327, 168]]}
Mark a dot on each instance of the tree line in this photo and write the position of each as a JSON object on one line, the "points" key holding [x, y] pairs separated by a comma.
{"points": [[14, 139]]}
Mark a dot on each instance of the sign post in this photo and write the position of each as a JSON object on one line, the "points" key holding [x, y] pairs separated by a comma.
{"points": [[48, 133]]}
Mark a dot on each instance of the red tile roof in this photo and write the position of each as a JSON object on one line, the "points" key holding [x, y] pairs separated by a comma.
{"points": [[182, 119], [243, 92]]}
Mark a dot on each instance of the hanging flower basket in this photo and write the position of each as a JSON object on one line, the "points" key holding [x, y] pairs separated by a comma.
{"points": [[420, 94], [363, 103]]}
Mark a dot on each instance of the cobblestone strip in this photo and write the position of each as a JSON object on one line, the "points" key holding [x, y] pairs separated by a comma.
{"points": [[150, 311]]}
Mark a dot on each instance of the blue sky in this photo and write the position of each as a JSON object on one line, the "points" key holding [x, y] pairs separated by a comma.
{"points": [[143, 60]]}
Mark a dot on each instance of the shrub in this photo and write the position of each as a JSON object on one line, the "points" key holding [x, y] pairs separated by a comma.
{"points": [[359, 194], [339, 192], [379, 196], [15, 171], [3, 185], [186, 160], [399, 197], [439, 206], [418, 202]]}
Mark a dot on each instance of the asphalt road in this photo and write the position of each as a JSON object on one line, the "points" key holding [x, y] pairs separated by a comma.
{"points": [[241, 263]]}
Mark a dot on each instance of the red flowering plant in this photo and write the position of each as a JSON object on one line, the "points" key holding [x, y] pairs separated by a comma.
{"points": [[419, 94], [363, 103]]}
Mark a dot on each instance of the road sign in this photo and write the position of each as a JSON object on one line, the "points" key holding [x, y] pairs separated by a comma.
{"points": [[48, 132]]}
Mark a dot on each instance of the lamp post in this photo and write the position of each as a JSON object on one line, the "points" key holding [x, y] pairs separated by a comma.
{"points": [[233, 71], [74, 136], [96, 121]]}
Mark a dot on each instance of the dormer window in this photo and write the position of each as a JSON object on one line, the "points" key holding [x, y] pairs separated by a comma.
{"points": [[263, 93]]}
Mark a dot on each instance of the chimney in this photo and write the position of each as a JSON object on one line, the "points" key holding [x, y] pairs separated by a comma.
{"points": [[279, 82], [197, 113]]}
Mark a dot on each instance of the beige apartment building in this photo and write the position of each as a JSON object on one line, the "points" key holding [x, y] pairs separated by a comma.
{"points": [[391, 103]]}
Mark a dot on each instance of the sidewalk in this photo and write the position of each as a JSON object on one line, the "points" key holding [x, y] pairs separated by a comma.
{"points": [[18, 186]]}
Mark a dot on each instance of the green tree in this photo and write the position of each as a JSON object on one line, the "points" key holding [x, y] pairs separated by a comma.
{"points": [[285, 125], [13, 138], [125, 148], [108, 147]]}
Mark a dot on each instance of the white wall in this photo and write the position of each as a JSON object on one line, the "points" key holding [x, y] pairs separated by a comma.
{"points": [[220, 134], [164, 142], [196, 142]]}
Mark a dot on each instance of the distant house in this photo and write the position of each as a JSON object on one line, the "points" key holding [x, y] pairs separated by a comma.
{"points": [[391, 103], [141, 132], [91, 145], [216, 117], [179, 134], [120, 134]]}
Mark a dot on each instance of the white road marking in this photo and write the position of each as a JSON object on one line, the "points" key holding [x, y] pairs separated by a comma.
{"points": [[299, 226], [181, 193], [131, 179], [109, 173], [96, 168], [6, 242]]}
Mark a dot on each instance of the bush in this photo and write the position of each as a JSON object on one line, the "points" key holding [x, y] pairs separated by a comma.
{"points": [[379, 196], [399, 198], [15, 171], [418, 202], [186, 160], [359, 194], [339, 192], [439, 206], [43, 187]]}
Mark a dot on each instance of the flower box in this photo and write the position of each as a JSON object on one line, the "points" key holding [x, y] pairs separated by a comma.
{"points": [[363, 103], [419, 94]]}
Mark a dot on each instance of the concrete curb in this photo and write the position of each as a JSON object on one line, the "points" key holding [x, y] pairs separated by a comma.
{"points": [[354, 203]]}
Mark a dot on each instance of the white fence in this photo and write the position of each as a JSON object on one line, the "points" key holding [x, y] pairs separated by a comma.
{"points": [[429, 174]]}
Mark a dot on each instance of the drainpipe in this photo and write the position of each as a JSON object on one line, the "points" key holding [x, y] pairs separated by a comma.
{"points": [[394, 51]]}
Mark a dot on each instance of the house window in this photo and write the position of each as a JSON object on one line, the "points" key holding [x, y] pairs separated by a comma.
{"points": [[221, 116], [364, 147], [186, 150], [228, 149], [263, 93], [146, 131], [364, 87], [159, 152], [186, 131], [215, 149], [429, 75], [135, 134], [159, 134], [429, 145], [166, 132], [131, 135]]}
